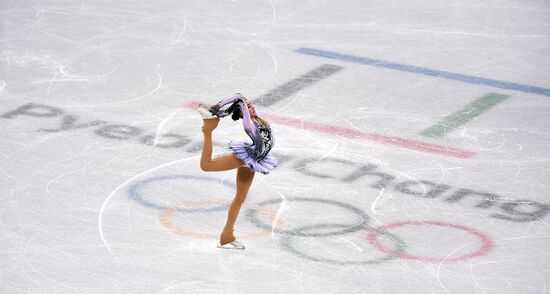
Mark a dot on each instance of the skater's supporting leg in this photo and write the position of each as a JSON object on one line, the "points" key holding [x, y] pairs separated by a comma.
{"points": [[244, 180]]}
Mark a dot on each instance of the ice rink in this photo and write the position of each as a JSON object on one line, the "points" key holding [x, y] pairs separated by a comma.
{"points": [[412, 136]]}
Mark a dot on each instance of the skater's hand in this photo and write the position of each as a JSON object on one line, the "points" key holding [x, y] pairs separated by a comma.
{"points": [[215, 108], [210, 124]]}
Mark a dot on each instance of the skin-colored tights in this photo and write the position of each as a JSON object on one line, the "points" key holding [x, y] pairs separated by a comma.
{"points": [[222, 163]]}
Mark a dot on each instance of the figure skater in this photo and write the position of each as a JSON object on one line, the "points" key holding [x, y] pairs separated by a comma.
{"points": [[247, 158]]}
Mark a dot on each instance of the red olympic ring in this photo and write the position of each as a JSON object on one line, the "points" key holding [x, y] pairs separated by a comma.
{"points": [[487, 243]]}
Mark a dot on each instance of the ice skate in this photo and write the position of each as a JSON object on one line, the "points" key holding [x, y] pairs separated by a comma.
{"points": [[232, 245], [205, 112]]}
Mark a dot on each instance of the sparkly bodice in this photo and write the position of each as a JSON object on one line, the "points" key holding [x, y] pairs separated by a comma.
{"points": [[267, 139]]}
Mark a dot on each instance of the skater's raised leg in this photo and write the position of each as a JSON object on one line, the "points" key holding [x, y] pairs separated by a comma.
{"points": [[220, 163]]}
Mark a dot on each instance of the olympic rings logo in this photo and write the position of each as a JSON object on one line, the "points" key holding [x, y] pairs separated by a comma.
{"points": [[381, 239]]}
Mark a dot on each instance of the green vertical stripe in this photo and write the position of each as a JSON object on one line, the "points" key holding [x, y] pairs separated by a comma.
{"points": [[464, 115]]}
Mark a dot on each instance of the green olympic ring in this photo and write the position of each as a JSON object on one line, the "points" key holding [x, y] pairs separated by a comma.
{"points": [[286, 241]]}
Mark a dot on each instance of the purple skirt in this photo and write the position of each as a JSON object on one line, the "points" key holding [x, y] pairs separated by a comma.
{"points": [[245, 152]]}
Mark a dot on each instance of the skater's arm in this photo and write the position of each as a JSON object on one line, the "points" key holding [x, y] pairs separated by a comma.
{"points": [[229, 100], [248, 124], [250, 129], [216, 108]]}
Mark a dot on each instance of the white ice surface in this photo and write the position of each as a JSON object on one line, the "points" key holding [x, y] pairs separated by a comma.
{"points": [[68, 223]]}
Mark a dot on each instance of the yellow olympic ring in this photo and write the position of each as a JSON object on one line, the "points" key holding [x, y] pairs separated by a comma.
{"points": [[165, 219]]}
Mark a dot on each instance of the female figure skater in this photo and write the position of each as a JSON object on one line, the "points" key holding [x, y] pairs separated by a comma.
{"points": [[246, 158]]}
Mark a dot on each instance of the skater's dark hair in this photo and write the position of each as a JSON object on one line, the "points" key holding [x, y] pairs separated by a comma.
{"points": [[235, 110]]}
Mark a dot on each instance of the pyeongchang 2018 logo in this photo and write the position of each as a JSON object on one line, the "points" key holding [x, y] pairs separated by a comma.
{"points": [[498, 207]]}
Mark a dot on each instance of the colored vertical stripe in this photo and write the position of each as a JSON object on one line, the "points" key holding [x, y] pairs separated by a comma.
{"points": [[297, 84], [464, 115], [426, 71]]}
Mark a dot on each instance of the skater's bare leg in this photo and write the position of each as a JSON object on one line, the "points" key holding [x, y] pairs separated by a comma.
{"points": [[220, 163], [244, 180]]}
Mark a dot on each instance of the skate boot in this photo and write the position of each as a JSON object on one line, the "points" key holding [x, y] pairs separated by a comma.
{"points": [[206, 112], [232, 245], [228, 241]]}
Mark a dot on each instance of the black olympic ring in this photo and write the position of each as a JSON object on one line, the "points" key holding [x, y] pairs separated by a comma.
{"points": [[251, 214]]}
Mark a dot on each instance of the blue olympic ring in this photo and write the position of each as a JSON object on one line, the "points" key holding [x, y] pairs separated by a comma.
{"points": [[133, 192]]}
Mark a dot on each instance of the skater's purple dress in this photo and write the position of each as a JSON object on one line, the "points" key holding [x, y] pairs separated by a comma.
{"points": [[255, 155]]}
